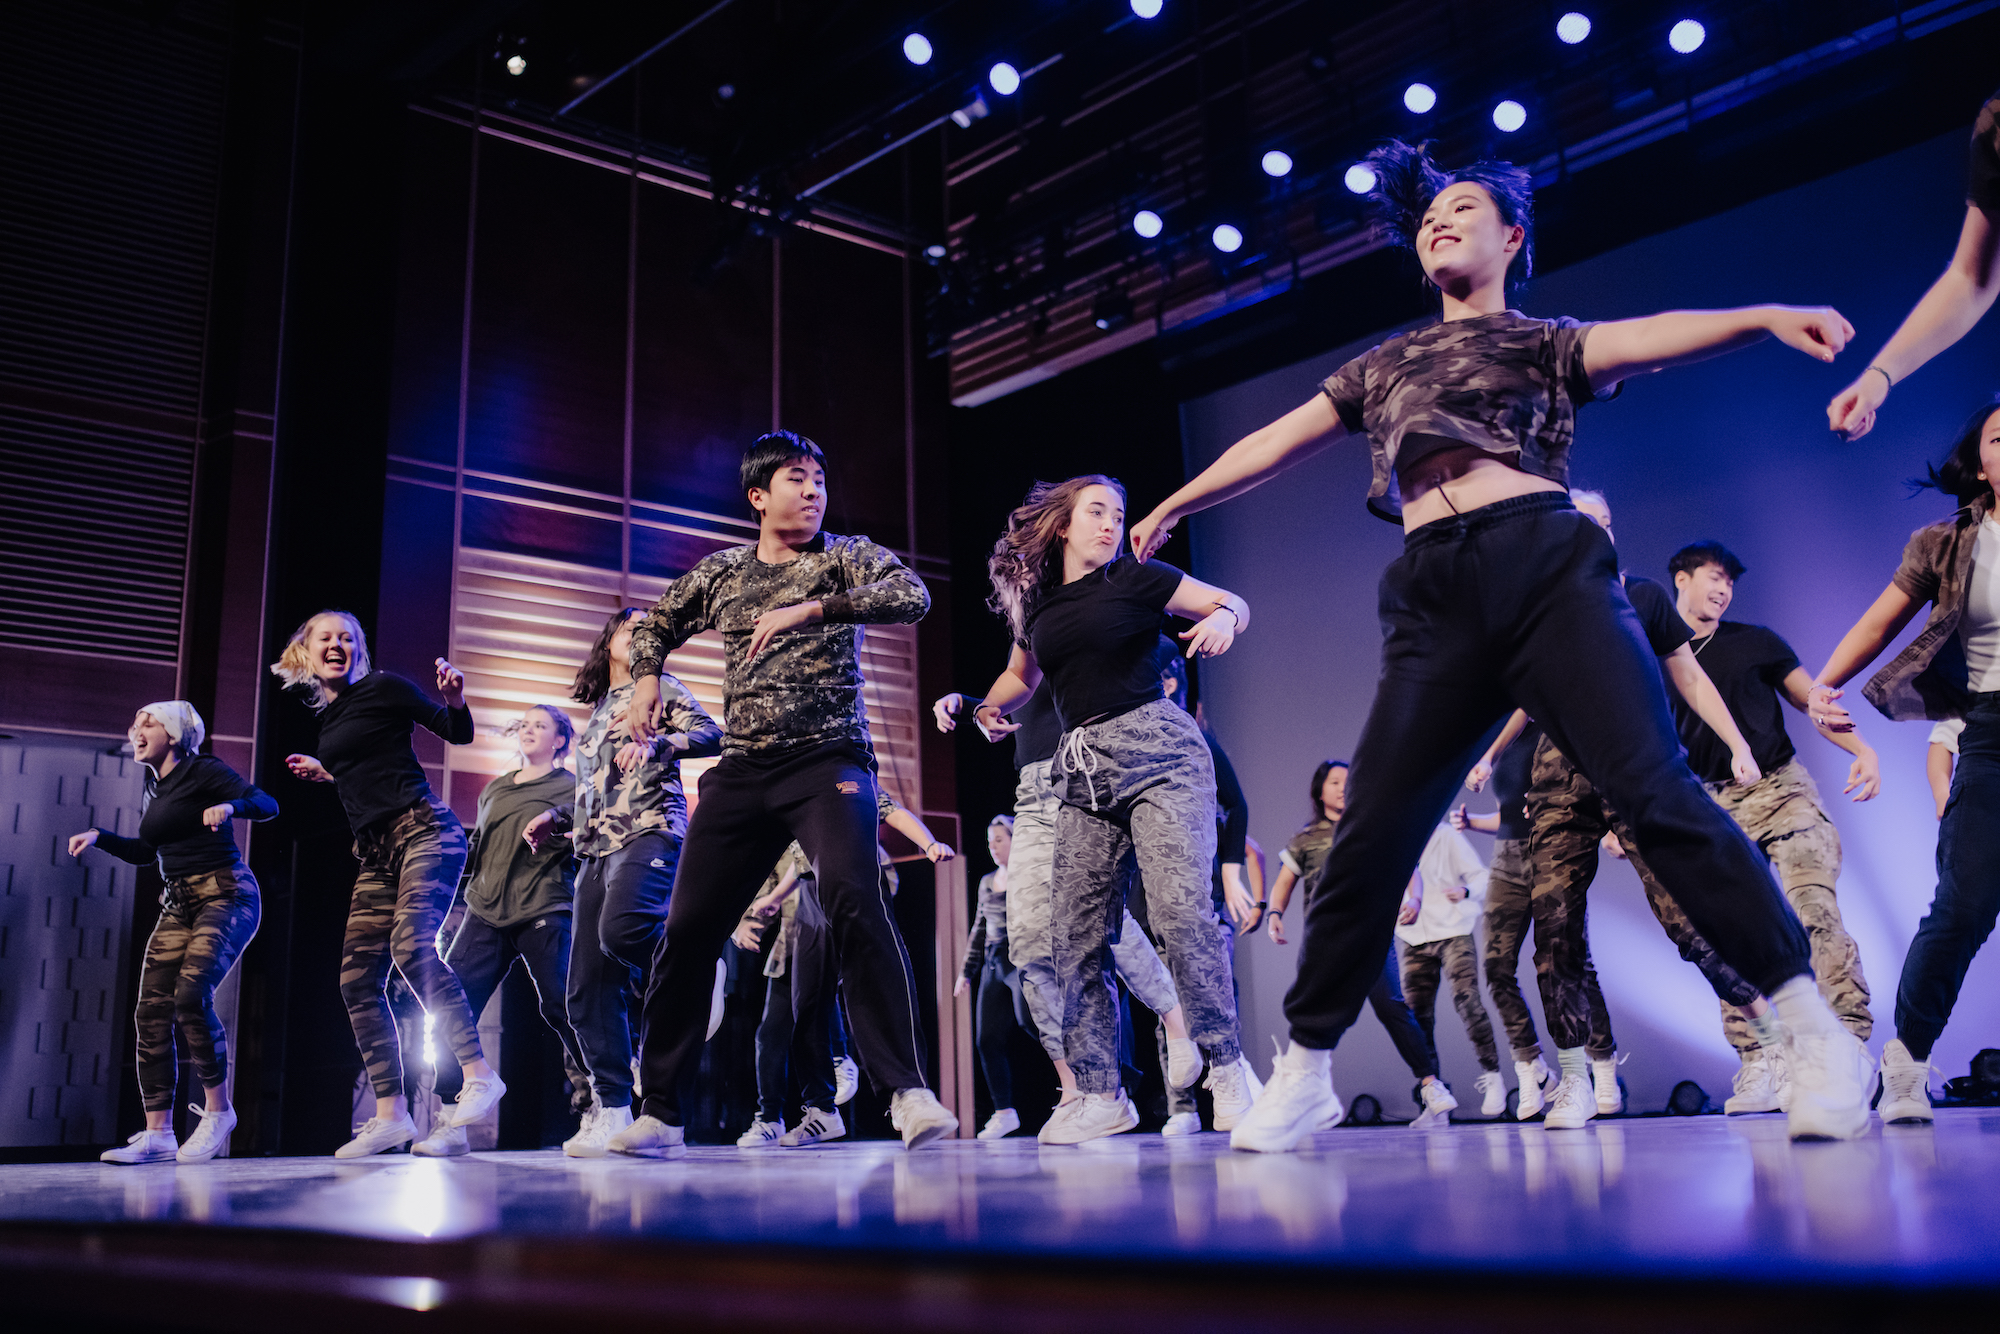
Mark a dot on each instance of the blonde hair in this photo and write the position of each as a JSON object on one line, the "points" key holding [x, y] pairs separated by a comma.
{"points": [[1029, 553], [294, 665]]}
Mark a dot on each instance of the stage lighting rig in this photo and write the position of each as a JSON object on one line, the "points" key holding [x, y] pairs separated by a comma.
{"points": [[1509, 116], [1226, 238], [976, 109], [1004, 78], [1147, 223], [1277, 163], [1687, 36], [1572, 28], [1360, 178], [1148, 9], [917, 49], [1420, 98]]}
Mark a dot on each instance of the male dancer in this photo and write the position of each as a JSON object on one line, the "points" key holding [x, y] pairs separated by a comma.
{"points": [[797, 762], [1753, 669]]}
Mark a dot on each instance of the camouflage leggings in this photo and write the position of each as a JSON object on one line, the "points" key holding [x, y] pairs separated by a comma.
{"points": [[1457, 960], [1567, 819], [409, 872], [205, 921], [1783, 816]]}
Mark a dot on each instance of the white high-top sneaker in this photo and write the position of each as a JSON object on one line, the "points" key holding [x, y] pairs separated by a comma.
{"points": [[920, 1116], [1831, 1072], [1235, 1089], [1755, 1088], [593, 1138], [1493, 1093], [1093, 1116], [1528, 1074], [1906, 1094], [1299, 1100], [1439, 1104], [1604, 1081], [1573, 1103]]}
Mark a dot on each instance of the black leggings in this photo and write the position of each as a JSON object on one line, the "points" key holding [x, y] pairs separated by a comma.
{"points": [[995, 1014], [790, 1029], [1519, 602]]}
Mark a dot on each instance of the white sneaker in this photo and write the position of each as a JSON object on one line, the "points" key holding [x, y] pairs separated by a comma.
{"points": [[148, 1146], [761, 1135], [1604, 1079], [476, 1099], [445, 1141], [649, 1137], [1494, 1090], [1781, 1076], [1528, 1074], [1299, 1101], [378, 1136], [1906, 1094], [1183, 1062], [846, 1081], [1831, 1072], [1755, 1088], [1181, 1123], [1439, 1104], [920, 1116], [211, 1138], [593, 1138], [1093, 1116], [1573, 1103], [1001, 1124], [815, 1126], [1235, 1088]]}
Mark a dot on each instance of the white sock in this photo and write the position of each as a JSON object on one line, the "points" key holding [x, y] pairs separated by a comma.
{"points": [[1574, 1061], [1801, 1009], [1312, 1060]]}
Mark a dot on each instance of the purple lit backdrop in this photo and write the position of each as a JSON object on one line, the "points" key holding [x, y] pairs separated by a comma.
{"points": [[1735, 449]]}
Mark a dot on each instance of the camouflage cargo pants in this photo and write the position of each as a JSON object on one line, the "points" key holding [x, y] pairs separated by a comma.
{"points": [[1457, 962], [1567, 820], [409, 872], [1783, 815], [1509, 892], [205, 921]]}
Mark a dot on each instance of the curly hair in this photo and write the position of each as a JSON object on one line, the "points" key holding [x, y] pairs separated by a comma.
{"points": [[593, 679], [1407, 180], [1958, 475], [294, 665], [1029, 553]]}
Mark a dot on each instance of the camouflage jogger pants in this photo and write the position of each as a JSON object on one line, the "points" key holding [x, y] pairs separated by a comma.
{"points": [[1140, 785], [409, 872], [1458, 961], [205, 921], [1784, 817], [1507, 914], [1567, 819], [1029, 945]]}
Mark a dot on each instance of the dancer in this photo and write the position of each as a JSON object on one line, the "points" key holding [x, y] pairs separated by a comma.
{"points": [[1300, 864], [1753, 669], [1508, 911], [800, 1009], [627, 819], [796, 763], [208, 914], [986, 966], [1950, 671], [1030, 944], [411, 849], [518, 899], [1440, 908], [1470, 422], [1134, 775], [1958, 300]]}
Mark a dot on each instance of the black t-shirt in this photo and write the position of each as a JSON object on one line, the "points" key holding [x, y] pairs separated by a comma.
{"points": [[1510, 782], [170, 826], [1982, 185], [1040, 730], [1748, 664], [1094, 639], [1661, 619], [364, 742]]}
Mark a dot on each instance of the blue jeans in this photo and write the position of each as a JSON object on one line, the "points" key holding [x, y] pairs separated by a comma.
{"points": [[1968, 891]]}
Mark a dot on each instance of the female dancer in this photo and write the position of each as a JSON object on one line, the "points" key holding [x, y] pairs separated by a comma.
{"points": [[208, 914], [801, 1008], [1950, 670], [517, 898], [1134, 775], [411, 849], [987, 966], [628, 815], [1506, 595]]}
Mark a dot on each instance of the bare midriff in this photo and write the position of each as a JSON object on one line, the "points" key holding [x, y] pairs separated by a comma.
{"points": [[1457, 481]]}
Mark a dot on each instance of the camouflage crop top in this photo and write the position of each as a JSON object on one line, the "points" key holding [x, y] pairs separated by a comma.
{"points": [[1503, 383]]}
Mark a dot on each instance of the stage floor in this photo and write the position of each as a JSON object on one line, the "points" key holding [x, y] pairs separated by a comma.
{"points": [[1706, 1198]]}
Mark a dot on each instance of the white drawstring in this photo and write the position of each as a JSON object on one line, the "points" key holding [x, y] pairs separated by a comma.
{"points": [[1076, 756]]}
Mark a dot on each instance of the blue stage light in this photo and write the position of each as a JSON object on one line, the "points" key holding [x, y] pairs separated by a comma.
{"points": [[1573, 28], [1420, 97], [917, 49], [1147, 223], [1147, 9], [1360, 178], [1006, 80], [1687, 36], [1277, 163], [1510, 116], [1227, 239], [934, 252]]}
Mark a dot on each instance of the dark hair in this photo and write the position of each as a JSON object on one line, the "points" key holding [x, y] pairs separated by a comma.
{"points": [[1028, 556], [1697, 554], [1958, 475], [1319, 781], [1407, 180], [772, 451], [593, 679], [1167, 661], [564, 727]]}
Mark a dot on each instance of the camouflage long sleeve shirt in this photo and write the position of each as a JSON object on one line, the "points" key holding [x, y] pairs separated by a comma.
{"points": [[613, 806], [805, 688]]}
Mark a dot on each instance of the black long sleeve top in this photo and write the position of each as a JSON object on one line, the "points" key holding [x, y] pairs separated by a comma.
{"points": [[170, 825], [364, 742]]}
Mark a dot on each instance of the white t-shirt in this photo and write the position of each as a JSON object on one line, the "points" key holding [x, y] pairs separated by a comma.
{"points": [[1946, 734], [1979, 621], [1448, 863]]}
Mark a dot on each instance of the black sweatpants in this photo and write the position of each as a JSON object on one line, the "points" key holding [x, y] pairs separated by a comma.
{"points": [[751, 806], [804, 1028], [1519, 603], [620, 909], [483, 954], [995, 1004]]}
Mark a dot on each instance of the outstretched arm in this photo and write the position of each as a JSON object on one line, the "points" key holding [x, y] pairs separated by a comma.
{"points": [[1251, 461], [1684, 670], [1956, 302], [1623, 348], [1856, 649], [1864, 776]]}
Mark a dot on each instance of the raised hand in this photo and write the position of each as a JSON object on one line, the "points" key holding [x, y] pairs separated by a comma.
{"points": [[451, 684]]}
